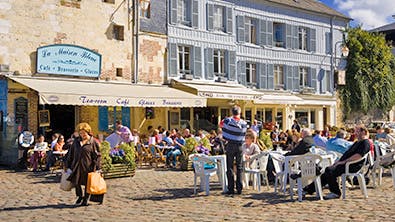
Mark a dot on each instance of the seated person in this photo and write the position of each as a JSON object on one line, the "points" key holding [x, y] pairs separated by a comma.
{"points": [[166, 141], [249, 148], [380, 134], [319, 140], [338, 143], [355, 152], [304, 145], [296, 138], [176, 151], [39, 152], [58, 146]]}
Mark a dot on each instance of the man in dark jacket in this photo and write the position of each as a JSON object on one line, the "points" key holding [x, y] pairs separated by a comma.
{"points": [[304, 145], [355, 152]]}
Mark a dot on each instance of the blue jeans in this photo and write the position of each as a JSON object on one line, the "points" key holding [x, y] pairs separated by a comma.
{"points": [[173, 153]]}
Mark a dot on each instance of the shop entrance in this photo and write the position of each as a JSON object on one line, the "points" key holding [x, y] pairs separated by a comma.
{"points": [[62, 120], [205, 118]]}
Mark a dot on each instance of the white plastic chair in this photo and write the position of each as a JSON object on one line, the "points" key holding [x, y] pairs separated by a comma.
{"points": [[278, 162], [199, 162], [379, 165], [256, 166], [307, 165], [359, 174]]}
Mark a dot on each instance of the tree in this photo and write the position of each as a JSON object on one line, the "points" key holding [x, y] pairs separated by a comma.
{"points": [[370, 77]]}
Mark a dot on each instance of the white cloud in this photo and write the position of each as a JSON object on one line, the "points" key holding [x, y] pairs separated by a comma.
{"points": [[370, 13]]}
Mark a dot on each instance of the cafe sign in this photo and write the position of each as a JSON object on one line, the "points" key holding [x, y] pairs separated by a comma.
{"points": [[71, 60]]}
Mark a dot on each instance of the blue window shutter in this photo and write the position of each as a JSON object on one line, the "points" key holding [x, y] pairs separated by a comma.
{"points": [[3, 96], [313, 78], [262, 28], [229, 20], [240, 28], [209, 58], [210, 16], [311, 40], [289, 77], [173, 11], [231, 64], [262, 76], [295, 33], [241, 72], [173, 64], [270, 76], [295, 80], [328, 44], [103, 118], [195, 13], [126, 116], [197, 62], [288, 36], [322, 81], [269, 33]]}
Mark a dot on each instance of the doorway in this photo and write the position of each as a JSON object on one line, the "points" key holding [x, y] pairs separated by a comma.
{"points": [[62, 120]]}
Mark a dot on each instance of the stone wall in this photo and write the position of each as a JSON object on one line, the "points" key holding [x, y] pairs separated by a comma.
{"points": [[152, 59], [27, 25]]}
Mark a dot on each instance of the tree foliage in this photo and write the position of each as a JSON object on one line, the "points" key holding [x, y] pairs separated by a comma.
{"points": [[370, 82]]}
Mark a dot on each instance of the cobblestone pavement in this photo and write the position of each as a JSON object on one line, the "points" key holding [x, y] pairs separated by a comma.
{"points": [[154, 195]]}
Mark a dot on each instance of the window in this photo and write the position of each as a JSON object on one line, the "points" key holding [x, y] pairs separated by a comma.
{"points": [[118, 32], [278, 76], [114, 114], [219, 62], [251, 74], [303, 79], [184, 12], [119, 72], [219, 18], [184, 59], [326, 82], [302, 38], [146, 13], [279, 37], [250, 30], [109, 1]]}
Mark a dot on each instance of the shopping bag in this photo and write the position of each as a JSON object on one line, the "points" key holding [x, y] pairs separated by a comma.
{"points": [[64, 183], [96, 184]]}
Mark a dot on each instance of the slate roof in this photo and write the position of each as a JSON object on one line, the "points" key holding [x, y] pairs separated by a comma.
{"points": [[384, 28], [310, 5]]}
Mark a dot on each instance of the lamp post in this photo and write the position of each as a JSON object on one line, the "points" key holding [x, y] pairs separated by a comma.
{"points": [[142, 5], [344, 53]]}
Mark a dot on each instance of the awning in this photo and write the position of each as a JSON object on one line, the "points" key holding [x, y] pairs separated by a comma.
{"points": [[104, 93], [218, 90], [279, 99]]}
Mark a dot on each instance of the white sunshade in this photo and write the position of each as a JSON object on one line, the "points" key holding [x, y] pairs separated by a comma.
{"points": [[104, 93]]}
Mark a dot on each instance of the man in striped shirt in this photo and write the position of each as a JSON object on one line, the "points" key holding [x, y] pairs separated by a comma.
{"points": [[233, 131]]}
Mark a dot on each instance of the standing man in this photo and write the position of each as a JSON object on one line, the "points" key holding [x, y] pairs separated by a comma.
{"points": [[124, 132], [296, 126], [233, 131]]}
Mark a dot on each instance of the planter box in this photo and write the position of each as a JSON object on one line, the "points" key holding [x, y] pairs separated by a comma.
{"points": [[119, 170], [186, 165]]}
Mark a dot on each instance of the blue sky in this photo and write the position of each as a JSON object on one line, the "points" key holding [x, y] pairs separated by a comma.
{"points": [[369, 13]]}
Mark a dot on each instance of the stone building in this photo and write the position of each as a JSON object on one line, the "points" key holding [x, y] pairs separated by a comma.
{"points": [[68, 61]]}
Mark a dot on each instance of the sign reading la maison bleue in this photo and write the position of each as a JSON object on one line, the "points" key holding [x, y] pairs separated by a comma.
{"points": [[72, 60]]}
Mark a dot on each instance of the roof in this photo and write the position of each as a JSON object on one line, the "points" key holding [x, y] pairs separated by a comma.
{"points": [[384, 28], [104, 93], [310, 5], [218, 90]]}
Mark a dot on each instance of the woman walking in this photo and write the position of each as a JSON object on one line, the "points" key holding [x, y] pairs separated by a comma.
{"points": [[83, 158]]}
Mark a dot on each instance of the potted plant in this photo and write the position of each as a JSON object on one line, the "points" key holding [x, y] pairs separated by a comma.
{"points": [[119, 162], [192, 146]]}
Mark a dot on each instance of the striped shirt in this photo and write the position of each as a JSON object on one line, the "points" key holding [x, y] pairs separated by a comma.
{"points": [[234, 130]]}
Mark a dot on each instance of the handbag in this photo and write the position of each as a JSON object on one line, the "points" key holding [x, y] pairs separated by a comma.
{"points": [[64, 183], [96, 184]]}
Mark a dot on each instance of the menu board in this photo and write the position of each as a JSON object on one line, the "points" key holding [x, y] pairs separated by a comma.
{"points": [[21, 112], [43, 118]]}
